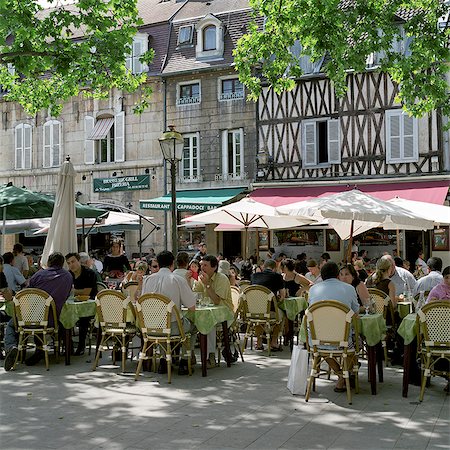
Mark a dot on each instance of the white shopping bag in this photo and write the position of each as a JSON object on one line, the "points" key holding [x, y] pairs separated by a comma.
{"points": [[298, 372]]}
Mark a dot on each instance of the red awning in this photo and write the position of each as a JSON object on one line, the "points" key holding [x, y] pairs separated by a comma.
{"points": [[421, 191]]}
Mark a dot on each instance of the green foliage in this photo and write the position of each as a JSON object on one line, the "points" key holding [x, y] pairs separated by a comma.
{"points": [[58, 52], [347, 33]]}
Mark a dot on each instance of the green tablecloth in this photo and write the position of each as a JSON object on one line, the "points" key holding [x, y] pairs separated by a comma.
{"points": [[206, 318], [372, 327], [8, 308], [408, 329], [293, 306], [72, 311], [404, 308]]}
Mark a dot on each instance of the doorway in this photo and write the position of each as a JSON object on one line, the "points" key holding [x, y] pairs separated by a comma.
{"points": [[232, 244], [415, 242]]}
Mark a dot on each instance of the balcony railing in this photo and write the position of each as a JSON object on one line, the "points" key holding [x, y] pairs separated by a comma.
{"points": [[190, 179], [230, 176], [238, 95], [188, 100]]}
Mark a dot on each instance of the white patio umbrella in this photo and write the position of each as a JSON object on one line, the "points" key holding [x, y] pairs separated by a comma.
{"points": [[439, 214], [353, 212], [62, 233], [248, 213]]}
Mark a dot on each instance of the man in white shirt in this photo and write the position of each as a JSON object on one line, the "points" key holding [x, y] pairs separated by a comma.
{"points": [[176, 288], [433, 278], [20, 260], [182, 264], [401, 276]]}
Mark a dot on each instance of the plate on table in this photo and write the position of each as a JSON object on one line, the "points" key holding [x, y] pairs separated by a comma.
{"points": [[81, 298]]}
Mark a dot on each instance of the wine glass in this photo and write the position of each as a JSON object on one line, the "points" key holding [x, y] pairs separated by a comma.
{"points": [[367, 308]]}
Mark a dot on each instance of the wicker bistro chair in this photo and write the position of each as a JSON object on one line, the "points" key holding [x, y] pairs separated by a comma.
{"points": [[434, 341], [101, 286], [32, 309], [234, 329], [383, 305], [129, 289], [154, 316], [328, 327], [112, 309], [256, 307]]}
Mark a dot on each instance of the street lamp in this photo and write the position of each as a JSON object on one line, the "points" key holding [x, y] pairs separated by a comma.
{"points": [[172, 144]]}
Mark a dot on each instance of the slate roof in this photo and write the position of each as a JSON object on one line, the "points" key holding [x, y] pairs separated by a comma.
{"points": [[183, 58]]}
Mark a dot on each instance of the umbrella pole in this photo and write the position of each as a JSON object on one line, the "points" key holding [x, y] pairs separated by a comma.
{"points": [[399, 252], [140, 237], [350, 244], [245, 243]]}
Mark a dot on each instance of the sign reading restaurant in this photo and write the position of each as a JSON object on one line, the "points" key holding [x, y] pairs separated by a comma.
{"points": [[131, 183], [199, 207]]}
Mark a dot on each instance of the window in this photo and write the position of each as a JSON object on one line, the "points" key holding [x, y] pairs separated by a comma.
{"points": [[321, 144], [401, 137], [105, 139], [185, 35], [231, 89], [209, 38], [233, 154], [189, 162], [188, 93], [52, 143], [23, 140], [138, 48]]}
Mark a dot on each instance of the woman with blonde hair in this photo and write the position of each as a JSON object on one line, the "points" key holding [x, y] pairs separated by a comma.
{"points": [[136, 276], [382, 281]]}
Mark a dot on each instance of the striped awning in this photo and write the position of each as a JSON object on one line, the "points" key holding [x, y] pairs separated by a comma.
{"points": [[101, 128]]}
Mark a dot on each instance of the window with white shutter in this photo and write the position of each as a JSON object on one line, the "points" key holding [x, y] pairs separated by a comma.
{"points": [[401, 137], [23, 140], [52, 144], [233, 154], [138, 48], [321, 142], [190, 169], [119, 137]]}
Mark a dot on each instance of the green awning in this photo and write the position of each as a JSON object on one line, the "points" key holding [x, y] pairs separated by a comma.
{"points": [[196, 200]]}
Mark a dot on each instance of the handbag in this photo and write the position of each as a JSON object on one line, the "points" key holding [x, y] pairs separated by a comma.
{"points": [[298, 371]]}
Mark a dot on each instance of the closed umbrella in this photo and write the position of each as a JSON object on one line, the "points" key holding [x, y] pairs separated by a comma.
{"points": [[248, 213], [62, 235], [353, 212]]}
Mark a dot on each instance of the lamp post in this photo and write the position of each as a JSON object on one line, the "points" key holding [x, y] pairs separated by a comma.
{"points": [[172, 143]]}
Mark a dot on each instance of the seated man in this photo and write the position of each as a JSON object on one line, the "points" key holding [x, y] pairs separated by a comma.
{"points": [[55, 280], [176, 288], [217, 287], [14, 277], [84, 283], [272, 280], [333, 289]]}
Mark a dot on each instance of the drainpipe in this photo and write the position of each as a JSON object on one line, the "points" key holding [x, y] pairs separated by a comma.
{"points": [[165, 163]]}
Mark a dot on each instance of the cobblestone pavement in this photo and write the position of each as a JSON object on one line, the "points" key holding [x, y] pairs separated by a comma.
{"points": [[245, 406]]}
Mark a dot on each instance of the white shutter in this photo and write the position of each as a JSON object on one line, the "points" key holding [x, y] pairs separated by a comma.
{"points": [[224, 154], [410, 143], [140, 46], [309, 143], [119, 137], [393, 136], [241, 135], [47, 144], [334, 147], [56, 143], [89, 144], [27, 139], [19, 146]]}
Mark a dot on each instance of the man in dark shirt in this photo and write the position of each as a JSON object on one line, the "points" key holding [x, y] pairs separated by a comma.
{"points": [[84, 283], [273, 281], [55, 280]]}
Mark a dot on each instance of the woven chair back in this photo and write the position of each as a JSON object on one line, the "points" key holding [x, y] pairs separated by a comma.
{"points": [[434, 321], [101, 286], [235, 297], [130, 288], [244, 283], [112, 307], [257, 301], [32, 306], [329, 323], [154, 313]]}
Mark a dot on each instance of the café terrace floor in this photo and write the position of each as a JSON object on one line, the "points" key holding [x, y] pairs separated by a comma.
{"points": [[245, 406]]}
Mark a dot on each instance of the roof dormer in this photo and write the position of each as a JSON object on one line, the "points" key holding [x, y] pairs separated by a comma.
{"points": [[209, 38]]}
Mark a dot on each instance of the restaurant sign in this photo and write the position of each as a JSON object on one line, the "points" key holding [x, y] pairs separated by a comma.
{"points": [[131, 183], [166, 206]]}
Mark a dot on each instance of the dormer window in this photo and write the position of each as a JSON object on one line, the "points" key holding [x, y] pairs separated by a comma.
{"points": [[209, 38], [210, 33], [185, 35]]}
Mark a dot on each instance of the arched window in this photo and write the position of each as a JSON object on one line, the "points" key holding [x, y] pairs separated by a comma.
{"points": [[209, 38]]}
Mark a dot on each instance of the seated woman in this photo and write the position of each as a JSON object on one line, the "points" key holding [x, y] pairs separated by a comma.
{"points": [[349, 275], [441, 292], [116, 264], [136, 275], [382, 280], [294, 283]]}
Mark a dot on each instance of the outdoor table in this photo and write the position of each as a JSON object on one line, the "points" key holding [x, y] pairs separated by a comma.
{"points": [[404, 308], [205, 318], [373, 327], [8, 307], [408, 330], [293, 306], [71, 312]]}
